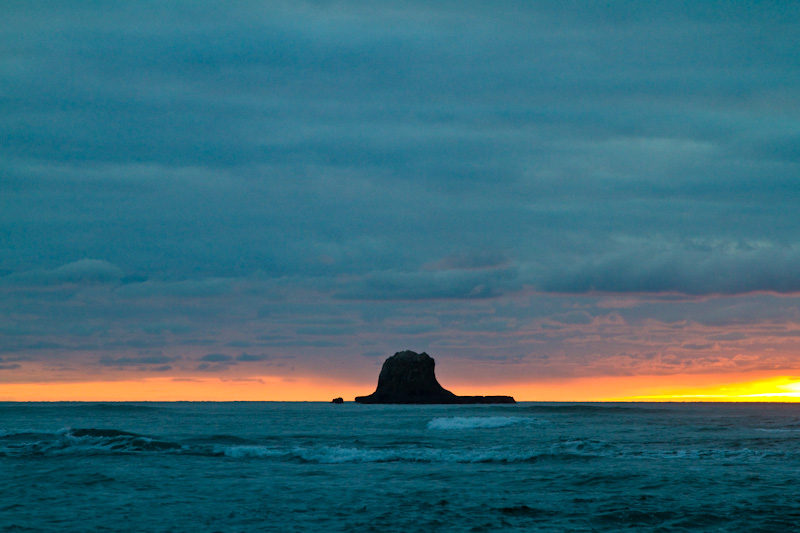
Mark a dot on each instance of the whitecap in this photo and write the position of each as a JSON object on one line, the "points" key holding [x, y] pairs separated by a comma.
{"points": [[243, 451], [341, 454], [475, 422]]}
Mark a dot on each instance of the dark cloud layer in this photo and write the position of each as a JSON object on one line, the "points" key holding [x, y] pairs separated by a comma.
{"points": [[195, 174]]}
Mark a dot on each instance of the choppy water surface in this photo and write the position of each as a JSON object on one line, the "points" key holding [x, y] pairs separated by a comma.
{"points": [[324, 467]]}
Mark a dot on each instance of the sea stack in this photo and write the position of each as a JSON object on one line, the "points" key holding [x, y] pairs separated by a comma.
{"points": [[408, 377]]}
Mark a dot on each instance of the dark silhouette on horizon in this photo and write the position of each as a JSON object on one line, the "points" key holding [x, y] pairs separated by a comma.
{"points": [[408, 378]]}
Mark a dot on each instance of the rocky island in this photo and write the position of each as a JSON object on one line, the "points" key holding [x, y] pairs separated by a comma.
{"points": [[408, 377]]}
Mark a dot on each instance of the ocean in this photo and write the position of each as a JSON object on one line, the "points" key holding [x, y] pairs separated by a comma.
{"points": [[320, 467]]}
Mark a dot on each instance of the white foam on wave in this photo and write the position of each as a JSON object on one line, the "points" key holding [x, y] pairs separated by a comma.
{"points": [[342, 454], [317, 454], [242, 451], [69, 441], [583, 447], [351, 455], [475, 422]]}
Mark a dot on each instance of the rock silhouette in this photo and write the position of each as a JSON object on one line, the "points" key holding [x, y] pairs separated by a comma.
{"points": [[408, 377]]}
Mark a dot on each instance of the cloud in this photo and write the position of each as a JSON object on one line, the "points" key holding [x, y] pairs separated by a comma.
{"points": [[472, 260], [310, 177], [326, 330], [415, 329], [572, 317], [135, 361], [217, 358], [181, 289], [720, 268], [422, 285], [250, 358], [33, 347], [216, 362], [212, 367], [82, 272]]}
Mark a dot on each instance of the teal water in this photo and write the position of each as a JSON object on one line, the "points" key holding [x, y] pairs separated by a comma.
{"points": [[206, 467]]}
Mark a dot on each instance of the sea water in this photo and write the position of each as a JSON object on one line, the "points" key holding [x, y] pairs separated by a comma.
{"points": [[205, 467]]}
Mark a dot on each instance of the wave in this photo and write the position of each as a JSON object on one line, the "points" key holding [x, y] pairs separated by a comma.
{"points": [[778, 430], [475, 422], [318, 454], [83, 441], [739, 455], [525, 511], [98, 433], [584, 447], [219, 440], [338, 454], [351, 455], [248, 451], [93, 441], [22, 436], [114, 440]]}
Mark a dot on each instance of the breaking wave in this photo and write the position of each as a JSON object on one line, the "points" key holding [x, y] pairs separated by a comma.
{"points": [[92, 441], [475, 422], [344, 454], [83, 441], [412, 454]]}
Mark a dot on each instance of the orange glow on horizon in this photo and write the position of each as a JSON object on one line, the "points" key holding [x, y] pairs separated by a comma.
{"points": [[721, 388], [178, 389]]}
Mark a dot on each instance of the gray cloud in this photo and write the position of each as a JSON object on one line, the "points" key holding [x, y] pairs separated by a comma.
{"points": [[212, 367], [250, 358], [135, 361], [180, 289], [310, 176], [84, 271], [6, 364], [723, 268], [431, 285], [217, 358]]}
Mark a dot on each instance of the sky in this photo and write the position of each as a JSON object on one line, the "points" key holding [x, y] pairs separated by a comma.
{"points": [[560, 200]]}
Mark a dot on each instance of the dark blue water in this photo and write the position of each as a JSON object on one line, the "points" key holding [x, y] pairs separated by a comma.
{"points": [[323, 467]]}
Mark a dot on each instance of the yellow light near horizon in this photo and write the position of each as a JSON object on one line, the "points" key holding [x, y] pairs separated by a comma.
{"points": [[773, 389], [689, 387]]}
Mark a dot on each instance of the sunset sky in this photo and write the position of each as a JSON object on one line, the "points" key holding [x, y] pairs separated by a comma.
{"points": [[263, 200]]}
